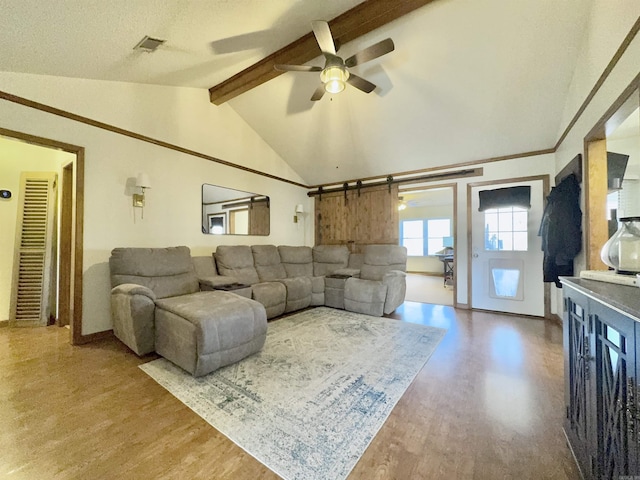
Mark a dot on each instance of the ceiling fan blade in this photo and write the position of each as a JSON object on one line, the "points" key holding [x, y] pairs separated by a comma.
{"points": [[369, 53], [317, 95], [360, 83], [323, 37], [297, 68]]}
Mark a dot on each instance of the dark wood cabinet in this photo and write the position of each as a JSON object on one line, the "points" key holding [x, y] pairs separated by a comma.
{"points": [[601, 385], [576, 373]]}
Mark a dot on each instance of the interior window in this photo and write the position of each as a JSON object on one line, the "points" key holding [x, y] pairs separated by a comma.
{"points": [[505, 229], [438, 230], [412, 237], [429, 233]]}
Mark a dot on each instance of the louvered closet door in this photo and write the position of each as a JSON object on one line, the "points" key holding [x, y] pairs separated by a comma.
{"points": [[33, 250]]}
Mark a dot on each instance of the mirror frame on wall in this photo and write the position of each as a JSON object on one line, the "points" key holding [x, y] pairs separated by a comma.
{"points": [[239, 212], [595, 173]]}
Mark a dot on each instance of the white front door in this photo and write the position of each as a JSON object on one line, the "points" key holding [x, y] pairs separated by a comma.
{"points": [[506, 254]]}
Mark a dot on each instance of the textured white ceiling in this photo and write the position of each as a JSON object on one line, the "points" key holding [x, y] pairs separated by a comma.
{"points": [[469, 79]]}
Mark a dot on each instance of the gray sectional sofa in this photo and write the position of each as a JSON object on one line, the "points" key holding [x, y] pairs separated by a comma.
{"points": [[205, 312], [284, 279]]}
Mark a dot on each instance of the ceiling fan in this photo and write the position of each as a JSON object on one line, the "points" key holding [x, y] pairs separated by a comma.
{"points": [[335, 74]]}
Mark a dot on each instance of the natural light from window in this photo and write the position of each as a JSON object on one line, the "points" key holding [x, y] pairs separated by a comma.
{"points": [[506, 229], [412, 231], [432, 231], [437, 230]]}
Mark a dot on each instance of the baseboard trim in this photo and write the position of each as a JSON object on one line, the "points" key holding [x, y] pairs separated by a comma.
{"points": [[428, 274], [462, 306], [94, 337]]}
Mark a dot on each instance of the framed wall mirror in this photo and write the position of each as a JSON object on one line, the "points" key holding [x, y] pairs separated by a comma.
{"points": [[612, 173], [226, 211]]}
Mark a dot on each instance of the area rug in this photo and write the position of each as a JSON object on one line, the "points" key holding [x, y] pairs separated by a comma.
{"points": [[308, 405]]}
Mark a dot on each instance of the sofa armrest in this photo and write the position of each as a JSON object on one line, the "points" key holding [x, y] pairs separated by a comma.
{"points": [[394, 273], [396, 282], [133, 289], [133, 314], [210, 283]]}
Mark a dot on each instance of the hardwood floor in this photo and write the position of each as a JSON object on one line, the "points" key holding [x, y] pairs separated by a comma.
{"points": [[487, 405]]}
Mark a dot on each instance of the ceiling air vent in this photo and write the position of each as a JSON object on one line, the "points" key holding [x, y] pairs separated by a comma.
{"points": [[148, 44]]}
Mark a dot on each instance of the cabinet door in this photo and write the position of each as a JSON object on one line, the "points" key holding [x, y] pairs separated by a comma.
{"points": [[577, 369], [614, 392]]}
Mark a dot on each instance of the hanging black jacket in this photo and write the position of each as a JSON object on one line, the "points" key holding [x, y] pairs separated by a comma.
{"points": [[561, 230]]}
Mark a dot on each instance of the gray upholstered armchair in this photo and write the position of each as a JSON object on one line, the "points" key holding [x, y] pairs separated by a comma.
{"points": [[382, 284]]}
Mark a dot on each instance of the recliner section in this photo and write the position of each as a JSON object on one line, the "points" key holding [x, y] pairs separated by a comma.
{"points": [[156, 304]]}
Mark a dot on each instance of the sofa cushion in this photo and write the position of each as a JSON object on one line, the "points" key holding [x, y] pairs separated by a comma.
{"points": [[272, 295], [297, 261], [168, 272], [236, 261], [267, 263], [380, 259], [317, 291], [365, 296], [329, 258], [298, 293], [205, 266]]}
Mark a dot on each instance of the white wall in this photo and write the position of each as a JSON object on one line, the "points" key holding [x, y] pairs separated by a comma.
{"points": [[172, 215], [15, 158], [608, 26]]}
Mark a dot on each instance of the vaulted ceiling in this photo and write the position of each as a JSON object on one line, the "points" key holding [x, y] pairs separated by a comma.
{"points": [[468, 80]]}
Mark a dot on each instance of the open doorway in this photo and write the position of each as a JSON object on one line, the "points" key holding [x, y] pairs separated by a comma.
{"points": [[428, 231], [21, 152]]}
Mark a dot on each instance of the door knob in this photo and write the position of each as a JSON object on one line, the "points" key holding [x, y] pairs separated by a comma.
{"points": [[475, 255]]}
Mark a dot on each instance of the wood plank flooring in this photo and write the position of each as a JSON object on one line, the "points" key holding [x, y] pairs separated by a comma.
{"points": [[487, 405]]}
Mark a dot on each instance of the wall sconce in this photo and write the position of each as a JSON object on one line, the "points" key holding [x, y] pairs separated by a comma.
{"points": [[142, 182], [299, 212]]}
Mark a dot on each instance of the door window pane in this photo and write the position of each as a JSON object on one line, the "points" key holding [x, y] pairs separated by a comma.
{"points": [[506, 229], [520, 241], [520, 221]]}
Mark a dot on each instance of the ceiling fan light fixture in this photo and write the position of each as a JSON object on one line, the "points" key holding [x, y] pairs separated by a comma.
{"points": [[334, 78]]}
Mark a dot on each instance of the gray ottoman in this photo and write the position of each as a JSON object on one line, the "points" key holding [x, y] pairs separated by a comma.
{"points": [[204, 331]]}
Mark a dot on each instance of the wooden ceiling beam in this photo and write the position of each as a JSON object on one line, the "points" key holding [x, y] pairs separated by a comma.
{"points": [[361, 19]]}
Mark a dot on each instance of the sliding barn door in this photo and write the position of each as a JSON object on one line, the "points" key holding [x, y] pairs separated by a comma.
{"points": [[357, 218], [31, 286]]}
